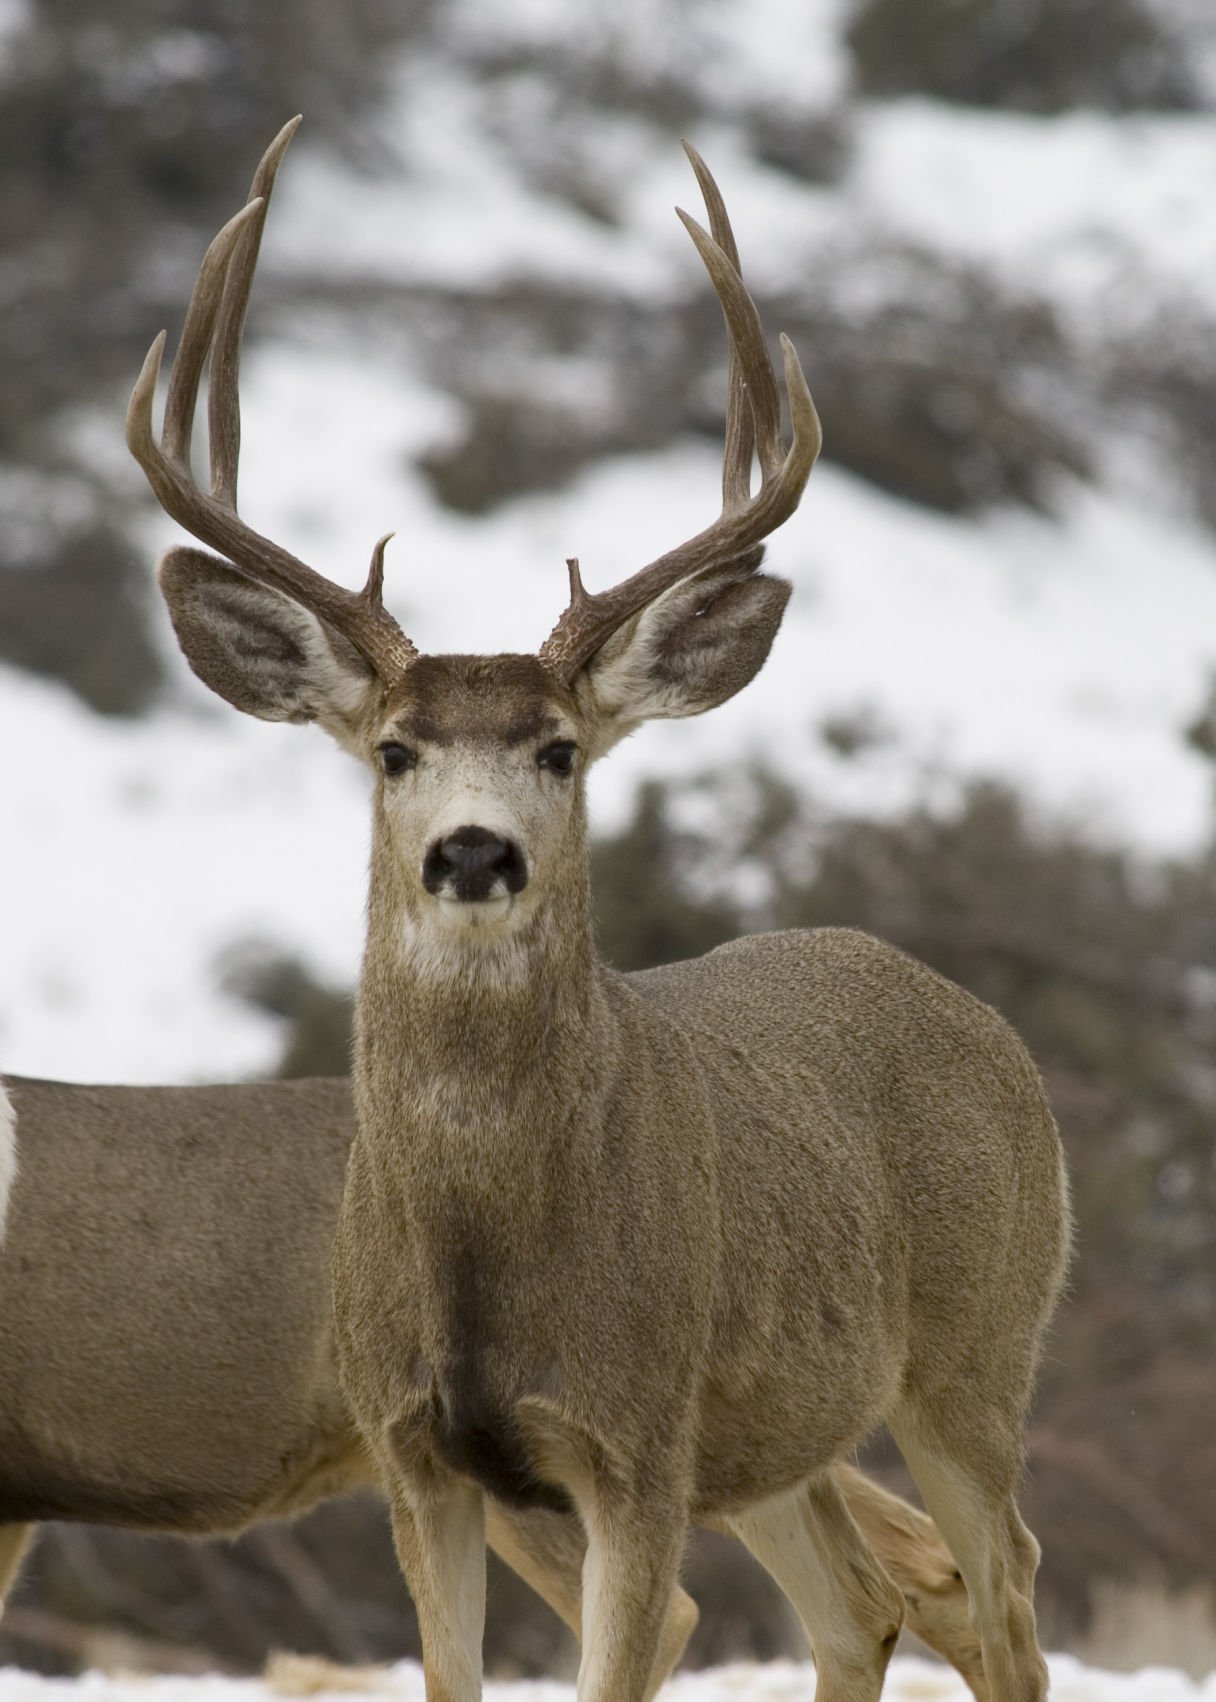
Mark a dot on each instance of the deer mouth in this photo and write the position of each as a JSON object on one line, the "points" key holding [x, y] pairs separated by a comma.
{"points": [[459, 912]]}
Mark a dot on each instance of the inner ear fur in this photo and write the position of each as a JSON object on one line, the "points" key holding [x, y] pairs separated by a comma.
{"points": [[259, 650], [690, 651], [713, 650]]}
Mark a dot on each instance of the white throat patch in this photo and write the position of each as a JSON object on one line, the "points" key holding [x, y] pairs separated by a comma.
{"points": [[461, 942], [8, 1153]]}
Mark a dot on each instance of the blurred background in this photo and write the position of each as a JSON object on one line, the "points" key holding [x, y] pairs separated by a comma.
{"points": [[987, 732]]}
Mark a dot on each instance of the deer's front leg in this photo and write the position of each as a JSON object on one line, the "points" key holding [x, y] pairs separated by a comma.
{"points": [[548, 1551], [630, 1573], [439, 1531]]}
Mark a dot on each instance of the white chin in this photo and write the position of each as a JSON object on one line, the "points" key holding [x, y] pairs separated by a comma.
{"points": [[465, 914]]}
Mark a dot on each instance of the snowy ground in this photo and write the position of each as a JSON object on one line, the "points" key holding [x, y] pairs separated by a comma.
{"points": [[782, 1681], [1064, 653]]}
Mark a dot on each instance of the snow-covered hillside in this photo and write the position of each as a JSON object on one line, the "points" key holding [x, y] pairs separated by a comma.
{"points": [[1064, 651], [780, 1681]]}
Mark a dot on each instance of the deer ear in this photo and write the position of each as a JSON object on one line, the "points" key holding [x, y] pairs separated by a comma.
{"points": [[690, 650], [262, 652]]}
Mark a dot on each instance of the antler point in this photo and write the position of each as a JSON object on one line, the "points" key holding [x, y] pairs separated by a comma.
{"points": [[374, 589]]}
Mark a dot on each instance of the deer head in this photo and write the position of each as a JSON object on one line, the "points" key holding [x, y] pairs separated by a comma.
{"points": [[480, 761]]}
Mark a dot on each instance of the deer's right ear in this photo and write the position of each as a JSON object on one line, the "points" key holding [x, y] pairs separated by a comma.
{"points": [[262, 652]]}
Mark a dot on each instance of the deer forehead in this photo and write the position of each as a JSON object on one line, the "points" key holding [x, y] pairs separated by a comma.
{"points": [[478, 700]]}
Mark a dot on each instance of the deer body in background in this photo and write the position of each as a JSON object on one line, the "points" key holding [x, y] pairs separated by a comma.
{"points": [[166, 1352], [653, 1249], [8, 1155]]}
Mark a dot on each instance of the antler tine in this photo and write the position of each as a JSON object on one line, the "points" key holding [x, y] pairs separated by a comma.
{"points": [[590, 620], [223, 397], [197, 332], [216, 315], [740, 435], [749, 351]]}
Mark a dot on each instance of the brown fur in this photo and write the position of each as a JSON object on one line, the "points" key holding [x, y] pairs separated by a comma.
{"points": [[659, 1249], [813, 1211], [139, 1207]]}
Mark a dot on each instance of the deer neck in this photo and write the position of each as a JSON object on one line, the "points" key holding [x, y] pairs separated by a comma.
{"points": [[461, 1039]]}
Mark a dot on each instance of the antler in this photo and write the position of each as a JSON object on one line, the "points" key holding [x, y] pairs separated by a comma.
{"points": [[753, 423], [215, 320]]}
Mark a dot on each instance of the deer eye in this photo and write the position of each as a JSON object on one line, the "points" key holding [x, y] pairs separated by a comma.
{"points": [[397, 759], [558, 757]]}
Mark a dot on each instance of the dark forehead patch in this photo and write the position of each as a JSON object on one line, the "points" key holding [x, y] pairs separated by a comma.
{"points": [[509, 699]]}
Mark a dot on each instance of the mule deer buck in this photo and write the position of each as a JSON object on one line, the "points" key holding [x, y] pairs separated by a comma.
{"points": [[657, 1248], [166, 1357]]}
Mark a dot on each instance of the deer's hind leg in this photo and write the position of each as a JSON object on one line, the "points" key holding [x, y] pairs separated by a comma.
{"points": [[968, 1473], [851, 1611], [14, 1543], [909, 1546]]}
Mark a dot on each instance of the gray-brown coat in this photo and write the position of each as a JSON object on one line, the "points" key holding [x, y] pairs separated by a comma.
{"points": [[166, 1359], [651, 1252]]}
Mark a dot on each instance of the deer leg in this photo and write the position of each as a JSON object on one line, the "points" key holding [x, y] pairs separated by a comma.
{"points": [[681, 1622], [851, 1611], [908, 1544], [548, 1551], [439, 1531], [968, 1485], [14, 1542], [629, 1578]]}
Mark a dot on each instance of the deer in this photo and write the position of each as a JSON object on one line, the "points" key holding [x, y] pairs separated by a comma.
{"points": [[655, 1250], [166, 1345]]}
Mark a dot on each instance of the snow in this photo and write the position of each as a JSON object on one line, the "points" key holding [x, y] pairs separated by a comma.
{"points": [[142, 851], [1067, 205], [14, 15], [766, 50], [908, 1680], [454, 214]]}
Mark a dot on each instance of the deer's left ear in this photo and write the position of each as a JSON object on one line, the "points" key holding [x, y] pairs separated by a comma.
{"points": [[686, 652]]}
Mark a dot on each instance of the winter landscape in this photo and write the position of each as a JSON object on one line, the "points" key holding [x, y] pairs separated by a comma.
{"points": [[480, 324], [1063, 650]]}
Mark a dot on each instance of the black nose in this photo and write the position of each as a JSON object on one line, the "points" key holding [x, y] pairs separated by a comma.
{"points": [[471, 863]]}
